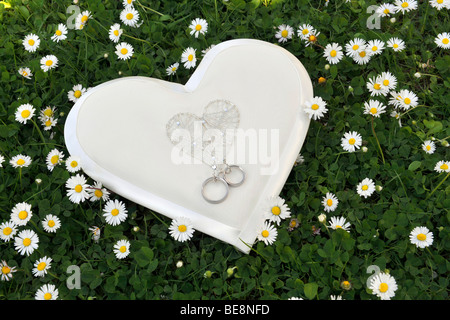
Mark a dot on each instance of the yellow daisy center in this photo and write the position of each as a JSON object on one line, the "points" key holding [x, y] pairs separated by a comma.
{"points": [[198, 27], [386, 11], [6, 270], [98, 193], [129, 1], [116, 33], [445, 41], [374, 48], [365, 187], [48, 123], [405, 4], [395, 45], [182, 228], [386, 82], [315, 106], [124, 51], [362, 54], [25, 113], [351, 141], [265, 233], [440, 1], [24, 73], [78, 188], [31, 42], [58, 32], [26, 242], [48, 112], [329, 202], [428, 147], [377, 86], [305, 31], [276, 210], [51, 223], [77, 93], [41, 266], [123, 249], [333, 53], [23, 215], [355, 47], [84, 19], [74, 164], [54, 159], [47, 296], [383, 287], [444, 166], [114, 212], [174, 68], [7, 231], [284, 33], [20, 162], [48, 63], [190, 57], [407, 100], [293, 223], [338, 227], [129, 16], [421, 237], [312, 38], [373, 110]]}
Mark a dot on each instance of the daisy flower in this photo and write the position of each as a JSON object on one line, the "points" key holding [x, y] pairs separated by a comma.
{"points": [[404, 99], [24, 113], [442, 166], [76, 92], [124, 51], [276, 210], [429, 146], [304, 31], [330, 202], [95, 233], [31, 42], [20, 161], [26, 242], [362, 57], [385, 9], [396, 44], [60, 33], [122, 249], [54, 157], [375, 46], [25, 72], [21, 213], [51, 223], [198, 26], [365, 188], [376, 88], [312, 38], [293, 224], [333, 53], [405, 5], [77, 188], [284, 33], [355, 46], [421, 237], [47, 292], [129, 16], [383, 285], [299, 160], [315, 108], [267, 233], [181, 229], [47, 112], [172, 69], [440, 4], [188, 58], [8, 230], [333, 297], [339, 223], [6, 271], [128, 2], [79, 25], [115, 212], [97, 192], [397, 115], [49, 62], [374, 108], [387, 80], [41, 266], [2, 159], [115, 32], [83, 17], [49, 123], [73, 164], [442, 40], [351, 141]]}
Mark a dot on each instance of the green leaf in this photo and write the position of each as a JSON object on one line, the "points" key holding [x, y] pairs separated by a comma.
{"points": [[414, 165], [144, 256], [310, 290]]}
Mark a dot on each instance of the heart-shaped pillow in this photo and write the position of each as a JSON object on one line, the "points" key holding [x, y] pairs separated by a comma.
{"points": [[119, 130]]}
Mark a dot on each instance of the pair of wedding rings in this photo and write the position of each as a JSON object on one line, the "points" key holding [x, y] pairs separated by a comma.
{"points": [[222, 178]]}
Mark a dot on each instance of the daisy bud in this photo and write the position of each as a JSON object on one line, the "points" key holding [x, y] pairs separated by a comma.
{"points": [[327, 67], [105, 55], [378, 188], [38, 181], [393, 20], [350, 88], [444, 143], [120, 73], [346, 285], [414, 122], [424, 65], [322, 218], [440, 229], [179, 264], [417, 75], [207, 274], [61, 114], [364, 149], [136, 229], [433, 138], [230, 271]]}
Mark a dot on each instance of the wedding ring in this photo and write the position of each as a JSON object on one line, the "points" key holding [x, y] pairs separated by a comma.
{"points": [[214, 179], [234, 184]]}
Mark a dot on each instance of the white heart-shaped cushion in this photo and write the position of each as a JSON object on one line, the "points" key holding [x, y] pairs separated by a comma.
{"points": [[118, 129]]}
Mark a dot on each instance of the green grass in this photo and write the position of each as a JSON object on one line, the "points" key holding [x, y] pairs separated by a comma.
{"points": [[299, 263]]}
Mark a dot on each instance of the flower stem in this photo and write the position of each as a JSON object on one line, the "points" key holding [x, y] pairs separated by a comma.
{"points": [[152, 10], [40, 133], [429, 195], [378, 142]]}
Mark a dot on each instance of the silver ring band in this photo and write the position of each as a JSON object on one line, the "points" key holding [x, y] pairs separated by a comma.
{"points": [[214, 179], [235, 184]]}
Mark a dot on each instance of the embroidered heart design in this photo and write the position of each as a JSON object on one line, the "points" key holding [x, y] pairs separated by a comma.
{"points": [[119, 130]]}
